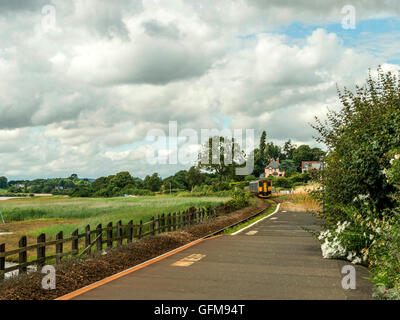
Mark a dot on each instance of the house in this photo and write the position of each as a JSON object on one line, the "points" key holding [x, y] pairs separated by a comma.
{"points": [[272, 169], [311, 165]]}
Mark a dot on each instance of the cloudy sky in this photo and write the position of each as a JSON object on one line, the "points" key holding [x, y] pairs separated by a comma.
{"points": [[83, 82]]}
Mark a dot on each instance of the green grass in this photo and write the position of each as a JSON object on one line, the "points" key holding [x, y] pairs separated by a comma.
{"points": [[93, 211], [267, 212]]}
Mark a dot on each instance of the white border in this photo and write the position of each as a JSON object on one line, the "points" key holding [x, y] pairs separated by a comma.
{"points": [[270, 215]]}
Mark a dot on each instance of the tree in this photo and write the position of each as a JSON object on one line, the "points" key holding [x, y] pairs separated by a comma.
{"points": [[288, 149], [259, 156], [305, 153], [194, 177], [153, 182], [358, 138], [289, 167], [221, 156], [73, 176], [317, 154], [122, 179], [302, 153], [99, 183], [263, 144], [3, 183], [272, 151]]}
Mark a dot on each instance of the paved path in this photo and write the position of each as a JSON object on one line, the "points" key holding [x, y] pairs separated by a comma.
{"points": [[275, 259]]}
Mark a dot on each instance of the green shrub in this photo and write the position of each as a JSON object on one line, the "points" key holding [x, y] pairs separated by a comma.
{"points": [[240, 199]]}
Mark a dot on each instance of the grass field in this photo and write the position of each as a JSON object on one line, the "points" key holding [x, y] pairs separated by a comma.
{"points": [[53, 214]]}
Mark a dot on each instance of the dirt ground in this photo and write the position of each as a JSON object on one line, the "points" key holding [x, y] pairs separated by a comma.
{"points": [[76, 274]]}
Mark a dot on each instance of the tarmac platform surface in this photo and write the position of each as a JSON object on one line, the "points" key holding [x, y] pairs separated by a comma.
{"points": [[274, 259]]}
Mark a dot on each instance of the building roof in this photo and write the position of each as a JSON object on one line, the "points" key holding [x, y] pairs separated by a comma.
{"points": [[273, 164], [311, 164]]}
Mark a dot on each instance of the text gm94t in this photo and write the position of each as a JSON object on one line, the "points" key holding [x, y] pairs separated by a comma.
{"points": [[262, 188]]}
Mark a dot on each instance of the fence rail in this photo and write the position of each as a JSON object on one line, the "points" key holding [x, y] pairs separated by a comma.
{"points": [[96, 239]]}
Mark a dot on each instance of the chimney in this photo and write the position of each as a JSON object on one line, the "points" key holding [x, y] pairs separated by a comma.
{"points": [[277, 160]]}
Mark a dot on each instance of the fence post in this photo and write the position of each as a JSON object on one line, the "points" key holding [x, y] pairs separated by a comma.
{"points": [[75, 242], [87, 239], [140, 229], [22, 256], [41, 250], [109, 234], [169, 222], [99, 241], [174, 221], [119, 233], [163, 222], [130, 231], [2, 261], [59, 246], [158, 224], [152, 226]]}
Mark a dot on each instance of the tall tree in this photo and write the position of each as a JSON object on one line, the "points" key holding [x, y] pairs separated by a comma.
{"points": [[263, 144], [221, 156], [3, 183], [260, 159], [288, 149], [194, 177], [272, 151]]}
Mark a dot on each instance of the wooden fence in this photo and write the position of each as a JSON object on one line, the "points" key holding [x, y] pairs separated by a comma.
{"points": [[94, 240]]}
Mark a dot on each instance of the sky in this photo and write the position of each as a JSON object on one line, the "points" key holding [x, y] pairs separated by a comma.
{"points": [[84, 84]]}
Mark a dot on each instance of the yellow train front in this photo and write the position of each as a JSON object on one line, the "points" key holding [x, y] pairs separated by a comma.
{"points": [[261, 188]]}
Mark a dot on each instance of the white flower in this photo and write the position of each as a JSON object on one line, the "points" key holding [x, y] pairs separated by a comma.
{"points": [[350, 256], [332, 249], [371, 237], [356, 260]]}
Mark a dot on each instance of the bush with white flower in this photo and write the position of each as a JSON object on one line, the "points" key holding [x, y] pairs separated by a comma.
{"points": [[370, 238], [362, 179]]}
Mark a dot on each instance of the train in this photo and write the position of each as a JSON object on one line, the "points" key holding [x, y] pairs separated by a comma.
{"points": [[261, 188]]}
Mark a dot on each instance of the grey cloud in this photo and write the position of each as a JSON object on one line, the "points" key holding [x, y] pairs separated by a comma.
{"points": [[157, 29], [7, 6]]}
